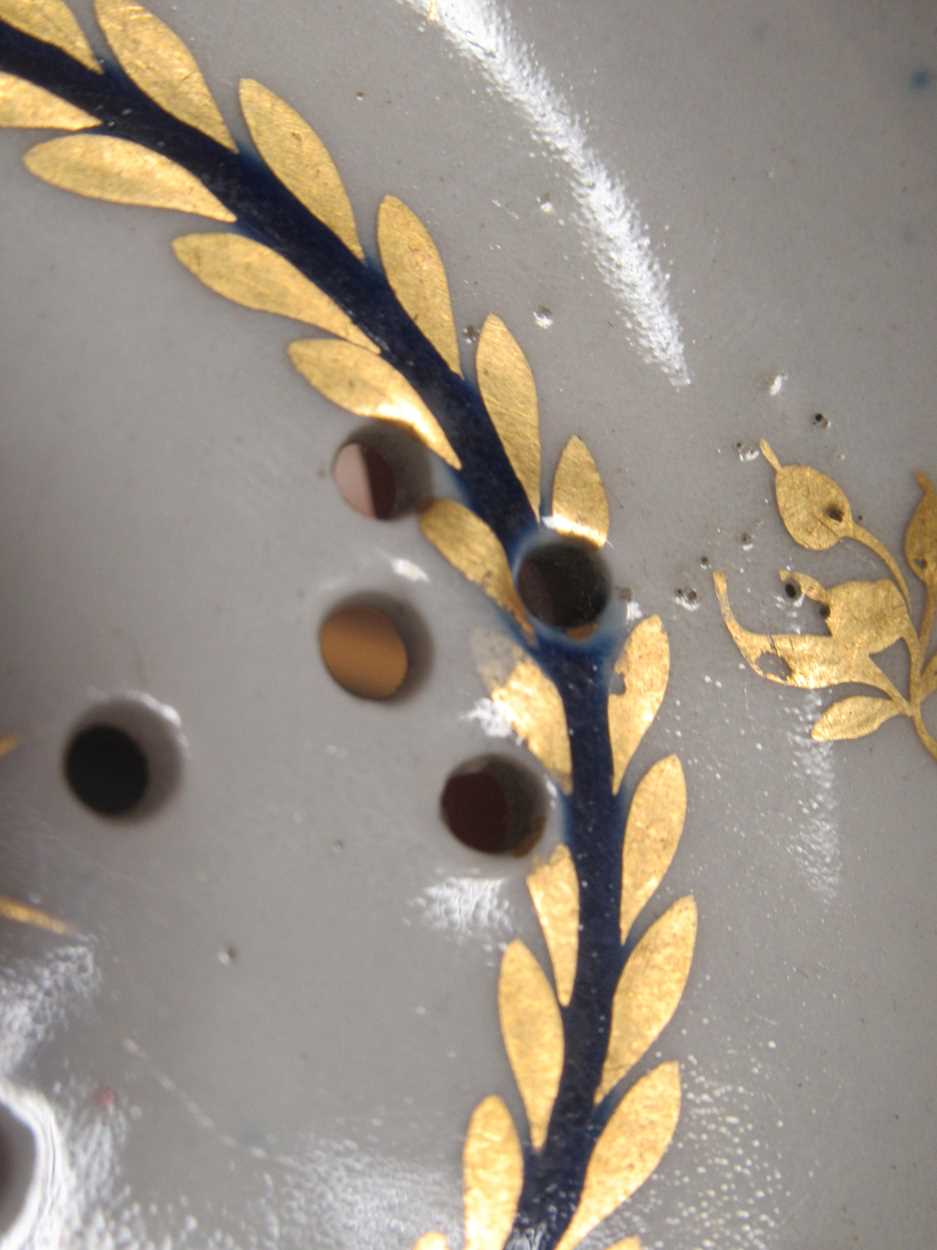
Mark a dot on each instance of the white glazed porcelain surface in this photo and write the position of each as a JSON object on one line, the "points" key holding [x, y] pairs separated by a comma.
{"points": [[742, 234]]}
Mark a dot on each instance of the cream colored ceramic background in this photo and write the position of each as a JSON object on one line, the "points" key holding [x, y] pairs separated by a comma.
{"points": [[167, 525]]}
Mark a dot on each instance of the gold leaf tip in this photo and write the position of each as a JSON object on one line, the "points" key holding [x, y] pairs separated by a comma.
{"points": [[554, 891], [769, 455], [509, 392], [52, 22], [533, 1035], [34, 917], [580, 505]]}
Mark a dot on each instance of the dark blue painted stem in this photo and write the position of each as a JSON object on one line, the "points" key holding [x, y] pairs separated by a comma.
{"points": [[267, 211]]}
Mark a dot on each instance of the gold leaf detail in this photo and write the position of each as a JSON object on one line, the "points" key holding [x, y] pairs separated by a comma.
{"points": [[22, 913], [366, 385], [649, 990], [533, 1035], [813, 507], [431, 1241], [123, 172], [507, 386], [630, 1148], [155, 58], [655, 823], [580, 507], [493, 1173], [474, 549], [866, 616], [417, 276], [630, 1243], [929, 678], [532, 706], [300, 160], [554, 890], [644, 667], [811, 661], [51, 21], [258, 277], [920, 538], [853, 718], [25, 105]]}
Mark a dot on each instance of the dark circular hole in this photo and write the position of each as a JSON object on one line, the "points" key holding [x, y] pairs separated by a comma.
{"points": [[792, 590], [381, 472], [835, 513], [824, 610], [107, 770], [124, 757], [563, 583], [494, 805], [820, 420], [17, 1164]]}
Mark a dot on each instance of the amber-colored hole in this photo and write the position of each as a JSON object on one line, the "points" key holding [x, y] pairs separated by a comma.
{"points": [[364, 651], [494, 805]]}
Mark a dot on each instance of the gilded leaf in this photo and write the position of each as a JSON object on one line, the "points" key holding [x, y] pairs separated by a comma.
{"points": [[258, 277], [929, 678], [631, 1146], [810, 661], [300, 160], [417, 276], [630, 1243], [533, 1035], [431, 1241], [644, 667], [813, 507], [123, 172], [554, 890], [493, 1173], [507, 386], [920, 538], [649, 990], [22, 913], [50, 21], [366, 385], [25, 105], [580, 506], [867, 615], [655, 824], [531, 704], [475, 550], [155, 58], [855, 717]]}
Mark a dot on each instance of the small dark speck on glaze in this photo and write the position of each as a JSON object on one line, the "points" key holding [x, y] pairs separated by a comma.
{"points": [[921, 79]]}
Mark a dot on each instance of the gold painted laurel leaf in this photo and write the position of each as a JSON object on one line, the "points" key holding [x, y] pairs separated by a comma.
{"points": [[366, 385], [474, 549], [417, 276], [554, 891], [258, 277], [431, 1241], [123, 172], [22, 913], [649, 990], [508, 389], [869, 616], [855, 717], [300, 160], [644, 667], [631, 1146], [920, 538], [155, 58], [51, 21], [533, 1035], [25, 105], [532, 706], [652, 834], [493, 1173], [580, 506]]}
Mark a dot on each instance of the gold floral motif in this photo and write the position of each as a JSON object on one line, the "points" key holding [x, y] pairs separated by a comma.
{"points": [[863, 618]]}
